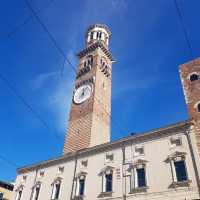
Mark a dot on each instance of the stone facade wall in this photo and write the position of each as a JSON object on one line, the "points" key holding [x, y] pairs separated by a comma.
{"points": [[158, 171]]}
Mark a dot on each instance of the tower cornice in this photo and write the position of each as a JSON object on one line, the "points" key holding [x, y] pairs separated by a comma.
{"points": [[100, 26], [93, 47]]}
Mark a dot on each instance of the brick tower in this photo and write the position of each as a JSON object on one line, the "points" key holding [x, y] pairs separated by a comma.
{"points": [[190, 77], [89, 120]]}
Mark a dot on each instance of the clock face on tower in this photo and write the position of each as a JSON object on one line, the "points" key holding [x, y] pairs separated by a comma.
{"points": [[82, 93]]}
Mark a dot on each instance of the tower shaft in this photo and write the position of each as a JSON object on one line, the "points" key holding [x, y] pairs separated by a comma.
{"points": [[89, 120]]}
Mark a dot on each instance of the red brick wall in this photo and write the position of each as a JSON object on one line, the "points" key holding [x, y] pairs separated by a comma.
{"points": [[89, 122], [192, 94]]}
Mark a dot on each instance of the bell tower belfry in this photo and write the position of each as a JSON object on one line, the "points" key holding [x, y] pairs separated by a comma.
{"points": [[89, 119]]}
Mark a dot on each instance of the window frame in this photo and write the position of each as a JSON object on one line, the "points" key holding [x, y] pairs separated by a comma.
{"points": [[175, 157], [106, 171], [1, 195], [134, 179]]}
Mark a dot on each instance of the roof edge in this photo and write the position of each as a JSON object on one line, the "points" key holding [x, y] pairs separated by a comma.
{"points": [[153, 133]]}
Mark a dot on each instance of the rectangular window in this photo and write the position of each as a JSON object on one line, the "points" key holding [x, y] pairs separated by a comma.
{"points": [[139, 150], [108, 182], [91, 35], [1, 196], [57, 186], [81, 186], [56, 190], [180, 168], [100, 34], [141, 177], [37, 191]]}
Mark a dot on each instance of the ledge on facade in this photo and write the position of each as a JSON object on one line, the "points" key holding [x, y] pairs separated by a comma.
{"points": [[105, 194], [139, 189], [180, 184], [78, 197]]}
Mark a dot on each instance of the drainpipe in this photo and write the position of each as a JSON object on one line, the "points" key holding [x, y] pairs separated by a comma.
{"points": [[123, 175], [193, 160], [73, 180]]}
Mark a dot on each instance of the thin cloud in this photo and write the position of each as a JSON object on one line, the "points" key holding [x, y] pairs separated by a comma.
{"points": [[41, 79]]}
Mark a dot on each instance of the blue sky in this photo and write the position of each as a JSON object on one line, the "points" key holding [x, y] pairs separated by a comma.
{"points": [[147, 42]]}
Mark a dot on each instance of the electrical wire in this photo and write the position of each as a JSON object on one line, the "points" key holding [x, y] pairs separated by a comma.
{"points": [[26, 104], [9, 162], [48, 33], [185, 32], [27, 20], [60, 50]]}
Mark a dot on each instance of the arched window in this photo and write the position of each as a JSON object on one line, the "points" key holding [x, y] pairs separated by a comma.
{"points": [[194, 77], [89, 61], [198, 107], [91, 35], [99, 35]]}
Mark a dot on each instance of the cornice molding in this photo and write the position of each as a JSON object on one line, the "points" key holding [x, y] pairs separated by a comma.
{"points": [[147, 136], [94, 46], [100, 26]]}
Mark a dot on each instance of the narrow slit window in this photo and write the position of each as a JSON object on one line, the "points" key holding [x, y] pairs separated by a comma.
{"points": [[81, 186]]}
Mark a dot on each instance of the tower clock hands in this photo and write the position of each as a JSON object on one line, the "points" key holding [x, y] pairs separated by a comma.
{"points": [[83, 92]]}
